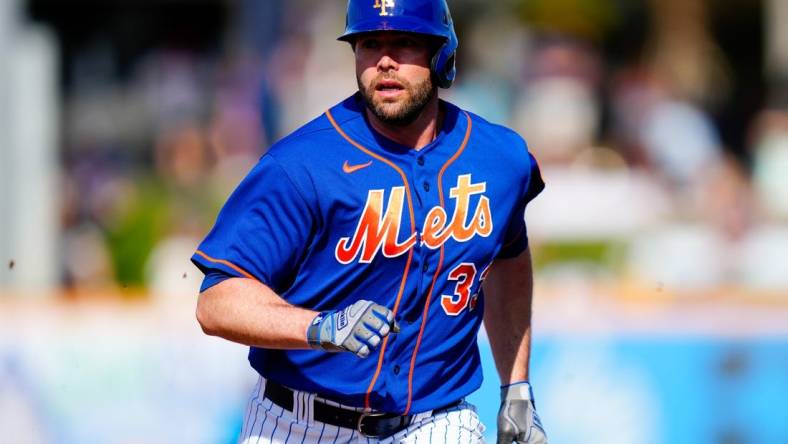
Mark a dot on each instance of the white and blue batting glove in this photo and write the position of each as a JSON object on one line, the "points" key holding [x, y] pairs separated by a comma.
{"points": [[358, 328], [517, 418]]}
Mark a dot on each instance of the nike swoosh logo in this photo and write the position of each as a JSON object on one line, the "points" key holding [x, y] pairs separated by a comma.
{"points": [[346, 167]]}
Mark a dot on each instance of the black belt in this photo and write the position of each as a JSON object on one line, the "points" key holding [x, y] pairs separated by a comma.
{"points": [[372, 425]]}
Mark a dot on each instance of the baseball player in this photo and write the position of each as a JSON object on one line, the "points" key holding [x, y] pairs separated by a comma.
{"points": [[360, 255]]}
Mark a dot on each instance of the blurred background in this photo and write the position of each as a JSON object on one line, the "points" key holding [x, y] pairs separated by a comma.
{"points": [[660, 242]]}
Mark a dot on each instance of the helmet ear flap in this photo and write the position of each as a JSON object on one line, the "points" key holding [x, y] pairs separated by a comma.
{"points": [[443, 64]]}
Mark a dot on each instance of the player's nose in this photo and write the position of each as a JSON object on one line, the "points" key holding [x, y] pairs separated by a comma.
{"points": [[387, 63]]}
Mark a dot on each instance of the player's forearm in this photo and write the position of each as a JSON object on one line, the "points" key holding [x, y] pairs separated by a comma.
{"points": [[507, 316], [250, 313]]}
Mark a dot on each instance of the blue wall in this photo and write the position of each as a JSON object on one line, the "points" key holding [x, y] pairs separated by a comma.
{"points": [[651, 390]]}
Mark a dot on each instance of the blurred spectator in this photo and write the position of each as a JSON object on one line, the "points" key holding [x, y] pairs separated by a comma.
{"points": [[725, 200], [87, 262], [770, 145], [171, 83], [560, 81], [680, 140], [683, 55], [489, 80]]}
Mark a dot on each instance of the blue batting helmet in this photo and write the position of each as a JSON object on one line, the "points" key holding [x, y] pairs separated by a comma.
{"points": [[429, 17]]}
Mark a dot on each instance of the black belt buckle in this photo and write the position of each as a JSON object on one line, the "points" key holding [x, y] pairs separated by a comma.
{"points": [[382, 429]]}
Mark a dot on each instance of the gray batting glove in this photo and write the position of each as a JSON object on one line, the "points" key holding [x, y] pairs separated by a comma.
{"points": [[358, 328], [517, 418]]}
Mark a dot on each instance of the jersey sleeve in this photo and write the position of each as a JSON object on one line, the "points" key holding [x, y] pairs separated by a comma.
{"points": [[516, 239], [213, 277], [262, 231]]}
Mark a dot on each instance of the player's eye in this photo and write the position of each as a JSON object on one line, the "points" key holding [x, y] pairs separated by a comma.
{"points": [[406, 42], [370, 44]]}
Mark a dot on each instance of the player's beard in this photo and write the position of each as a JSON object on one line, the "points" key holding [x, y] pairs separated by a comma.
{"points": [[399, 113]]}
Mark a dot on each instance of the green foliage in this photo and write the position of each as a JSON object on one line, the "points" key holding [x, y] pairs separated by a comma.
{"points": [[582, 18], [604, 254]]}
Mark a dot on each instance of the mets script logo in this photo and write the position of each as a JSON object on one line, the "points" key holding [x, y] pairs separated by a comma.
{"points": [[378, 228], [383, 5]]}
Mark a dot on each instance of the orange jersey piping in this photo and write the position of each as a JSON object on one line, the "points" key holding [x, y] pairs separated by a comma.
{"points": [[228, 264]]}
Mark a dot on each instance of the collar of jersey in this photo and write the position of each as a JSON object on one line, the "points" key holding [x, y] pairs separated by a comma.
{"points": [[358, 127]]}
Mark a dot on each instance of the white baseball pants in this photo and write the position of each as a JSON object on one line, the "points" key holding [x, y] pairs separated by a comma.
{"points": [[266, 422]]}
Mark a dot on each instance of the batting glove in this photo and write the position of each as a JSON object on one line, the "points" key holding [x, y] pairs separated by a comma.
{"points": [[358, 328], [517, 418]]}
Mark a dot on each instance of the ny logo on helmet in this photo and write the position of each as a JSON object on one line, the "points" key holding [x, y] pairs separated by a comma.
{"points": [[382, 5]]}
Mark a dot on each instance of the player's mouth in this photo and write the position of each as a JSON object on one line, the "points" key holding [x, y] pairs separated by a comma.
{"points": [[389, 89]]}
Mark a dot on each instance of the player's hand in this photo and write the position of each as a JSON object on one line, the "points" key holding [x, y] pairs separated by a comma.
{"points": [[517, 418], [358, 328]]}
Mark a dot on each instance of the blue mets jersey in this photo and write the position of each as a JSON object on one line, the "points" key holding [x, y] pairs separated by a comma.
{"points": [[335, 212]]}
